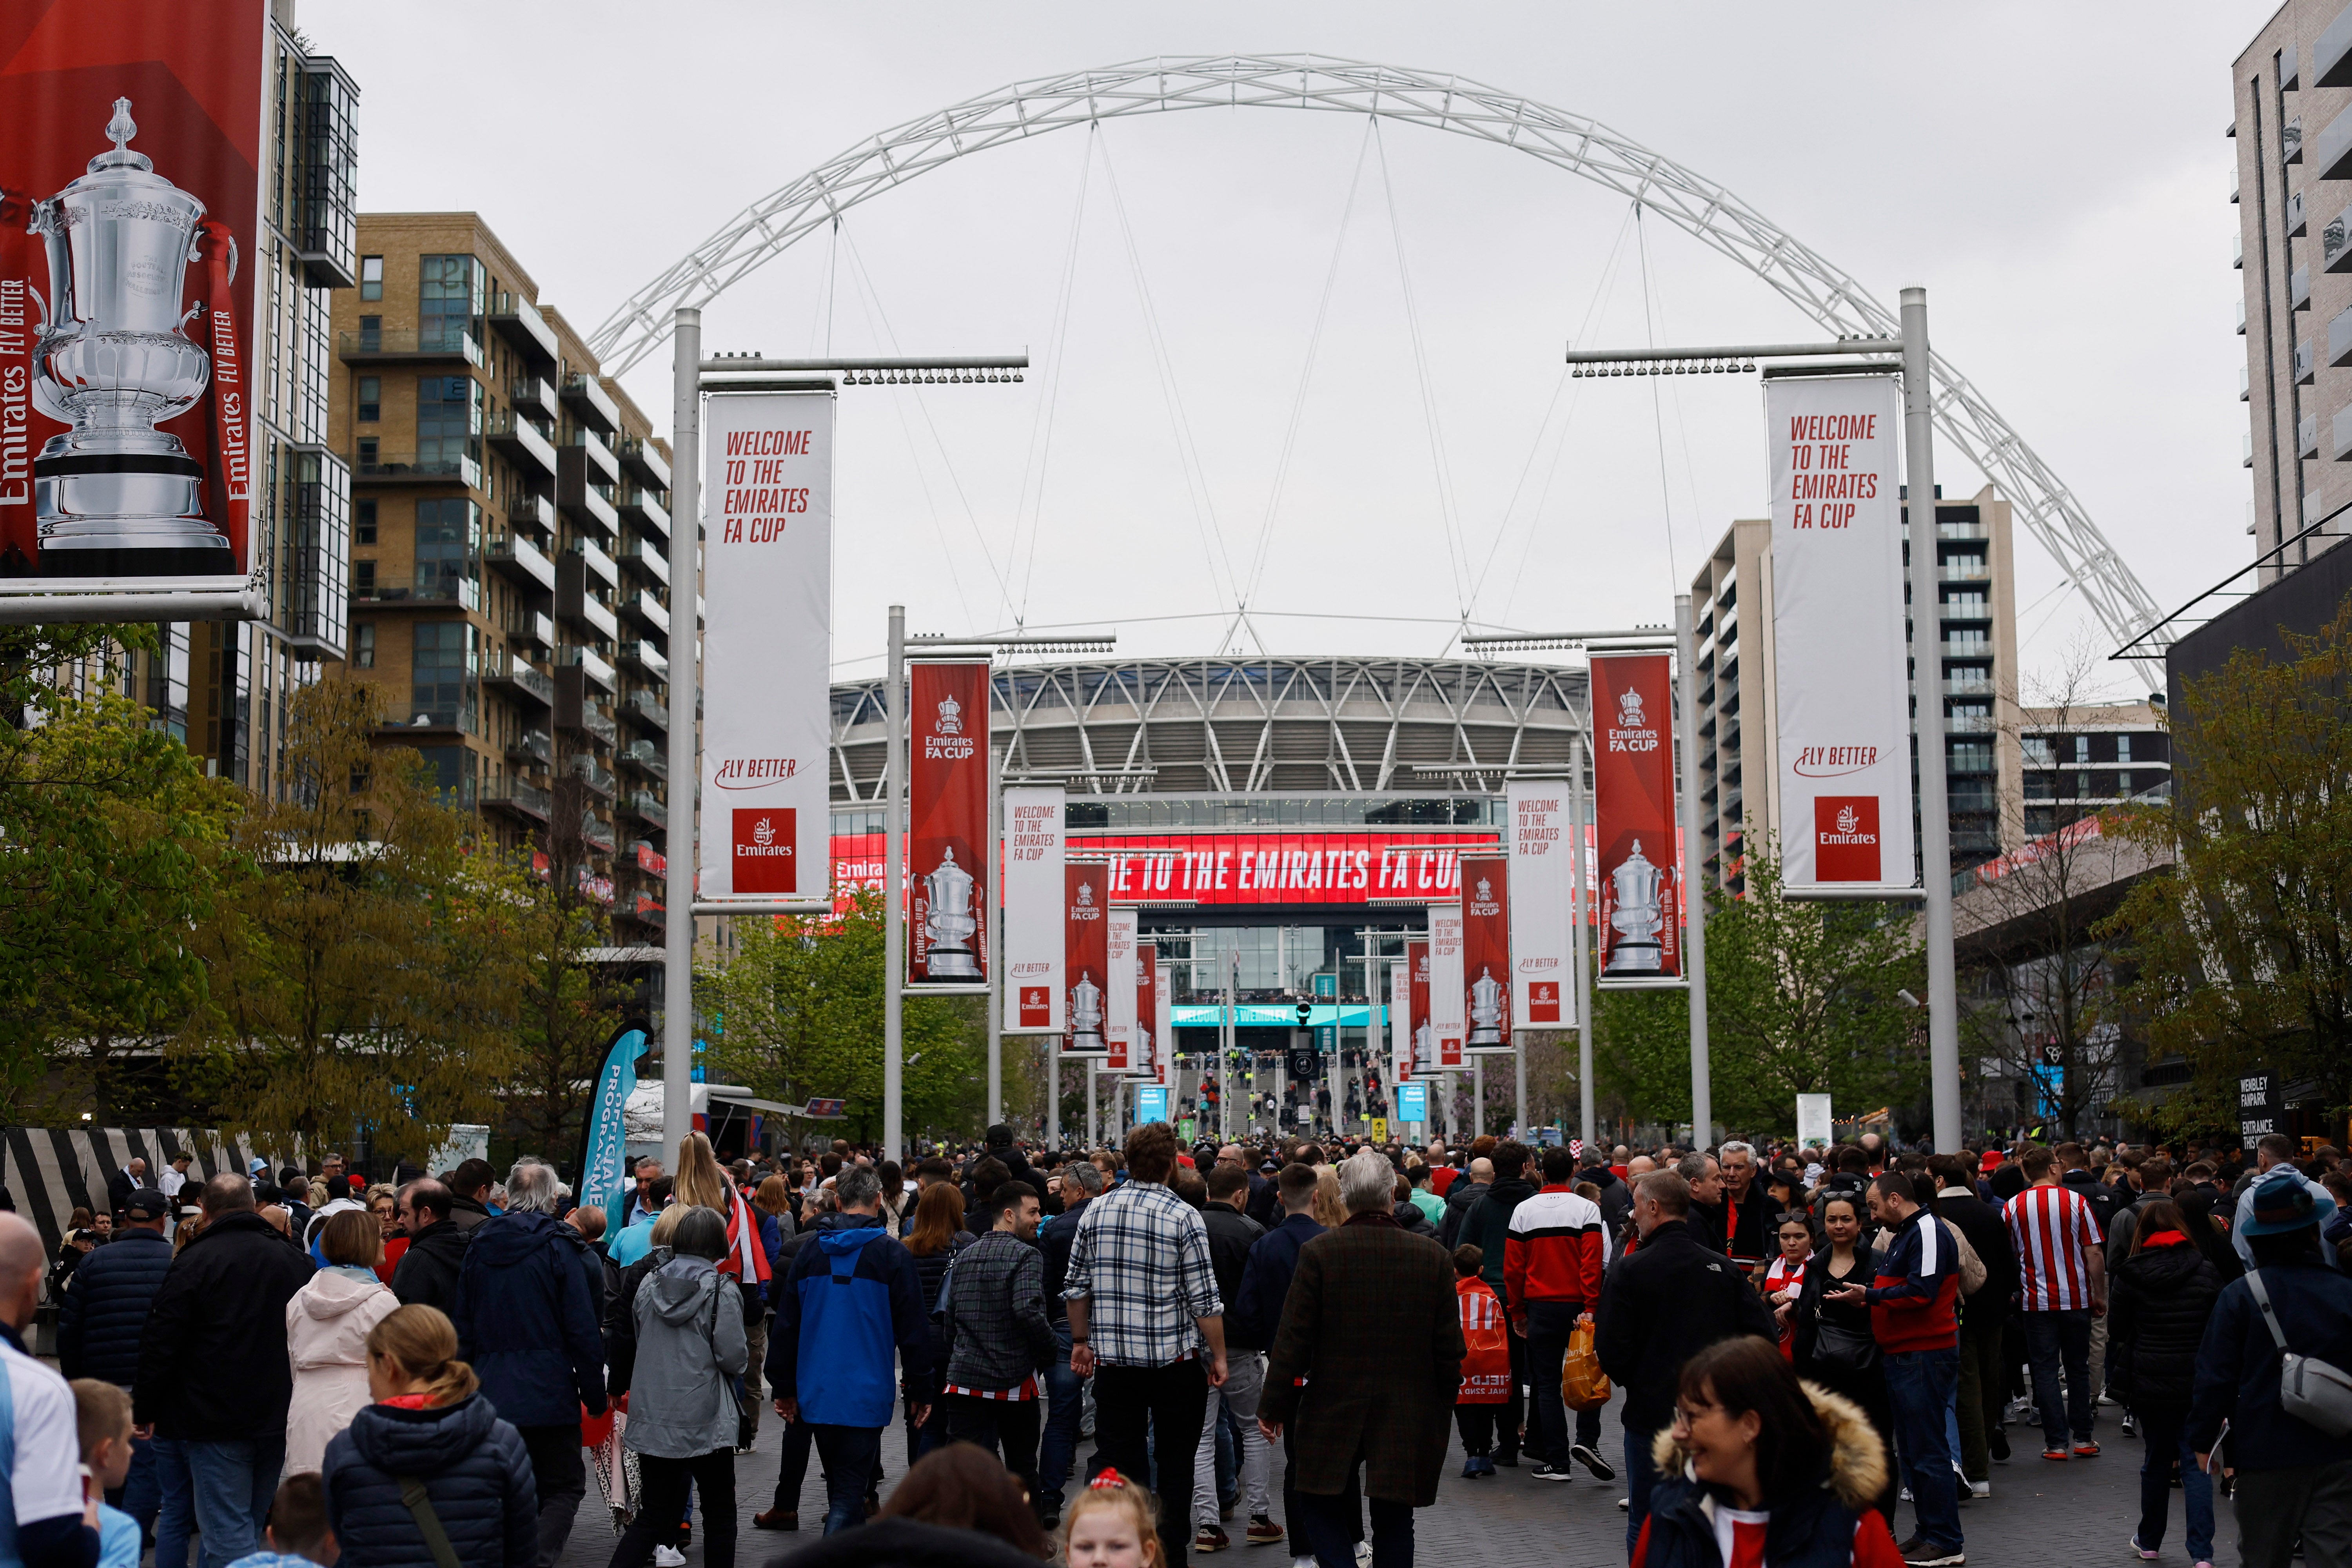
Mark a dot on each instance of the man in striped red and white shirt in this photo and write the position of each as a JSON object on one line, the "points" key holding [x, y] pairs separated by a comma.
{"points": [[2062, 1286]]}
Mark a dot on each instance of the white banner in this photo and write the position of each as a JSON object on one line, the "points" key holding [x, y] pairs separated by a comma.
{"points": [[1401, 1021], [1842, 714], [1033, 900], [1118, 1010], [767, 714], [1543, 993], [1445, 996], [1164, 1007]]}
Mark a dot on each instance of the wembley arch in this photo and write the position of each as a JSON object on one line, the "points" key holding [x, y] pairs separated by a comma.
{"points": [[1706, 211]]}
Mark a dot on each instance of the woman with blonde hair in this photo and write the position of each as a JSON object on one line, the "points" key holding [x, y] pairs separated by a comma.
{"points": [[327, 1326], [1330, 1210], [428, 1424], [702, 1182]]}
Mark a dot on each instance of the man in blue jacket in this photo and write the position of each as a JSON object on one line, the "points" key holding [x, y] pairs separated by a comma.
{"points": [[528, 1324], [851, 1298], [2293, 1479], [99, 1325]]}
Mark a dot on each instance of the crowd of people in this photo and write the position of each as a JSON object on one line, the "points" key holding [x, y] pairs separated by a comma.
{"points": [[1808, 1352]]}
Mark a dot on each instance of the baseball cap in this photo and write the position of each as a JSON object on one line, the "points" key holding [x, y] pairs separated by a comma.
{"points": [[147, 1204], [1990, 1162], [2283, 1203]]}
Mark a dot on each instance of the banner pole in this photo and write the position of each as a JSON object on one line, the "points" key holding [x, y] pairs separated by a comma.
{"points": [[1580, 999], [994, 909], [1693, 894], [894, 939], [685, 732], [1927, 706], [1053, 1091]]}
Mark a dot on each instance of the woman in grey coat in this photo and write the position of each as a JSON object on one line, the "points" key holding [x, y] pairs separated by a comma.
{"points": [[682, 1412]]}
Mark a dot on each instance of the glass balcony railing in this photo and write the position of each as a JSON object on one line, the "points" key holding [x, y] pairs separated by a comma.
{"points": [[373, 464], [407, 343]]}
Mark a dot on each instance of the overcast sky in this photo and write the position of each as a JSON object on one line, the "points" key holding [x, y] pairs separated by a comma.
{"points": [[2055, 175]]}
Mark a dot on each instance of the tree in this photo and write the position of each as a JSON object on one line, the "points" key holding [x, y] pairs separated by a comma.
{"points": [[797, 1012], [568, 1010], [111, 841], [2244, 950], [364, 963]]}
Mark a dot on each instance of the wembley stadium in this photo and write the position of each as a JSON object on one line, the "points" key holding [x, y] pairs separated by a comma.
{"points": [[1294, 766]]}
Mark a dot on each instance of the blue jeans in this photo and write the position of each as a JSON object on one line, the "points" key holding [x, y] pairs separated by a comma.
{"points": [[850, 1454], [1920, 1387], [175, 1516], [1064, 1395], [1641, 1474], [2164, 1431], [234, 1483]]}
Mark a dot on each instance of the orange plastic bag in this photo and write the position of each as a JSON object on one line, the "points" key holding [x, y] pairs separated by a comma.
{"points": [[1582, 1385]]}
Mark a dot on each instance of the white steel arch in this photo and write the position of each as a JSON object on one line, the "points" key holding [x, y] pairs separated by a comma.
{"points": [[1710, 214]]}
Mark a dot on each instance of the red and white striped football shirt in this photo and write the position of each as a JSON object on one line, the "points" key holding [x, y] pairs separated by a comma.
{"points": [[2049, 1227]]}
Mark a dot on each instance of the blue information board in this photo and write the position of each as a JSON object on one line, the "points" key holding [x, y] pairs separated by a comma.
{"points": [[1413, 1101], [1150, 1103]]}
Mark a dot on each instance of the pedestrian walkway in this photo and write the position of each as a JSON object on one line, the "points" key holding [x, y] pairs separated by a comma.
{"points": [[2082, 1511]]}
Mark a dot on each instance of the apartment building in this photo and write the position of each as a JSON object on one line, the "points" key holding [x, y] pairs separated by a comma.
{"points": [[221, 687], [509, 585], [2291, 183], [1976, 618], [2080, 761]]}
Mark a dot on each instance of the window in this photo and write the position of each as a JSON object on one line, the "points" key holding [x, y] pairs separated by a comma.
{"points": [[370, 399], [2082, 748], [449, 295], [363, 579], [370, 277], [449, 421], [440, 691], [363, 522], [454, 771], [369, 458], [449, 536], [363, 643], [2123, 748], [2040, 752], [371, 333], [2123, 784]]}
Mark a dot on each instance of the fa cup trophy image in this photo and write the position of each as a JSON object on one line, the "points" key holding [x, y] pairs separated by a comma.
{"points": [[950, 924], [1086, 1016], [114, 495], [1637, 916], [1487, 998]]}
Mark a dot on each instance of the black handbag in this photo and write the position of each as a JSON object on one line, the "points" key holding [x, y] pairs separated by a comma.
{"points": [[1835, 1344]]}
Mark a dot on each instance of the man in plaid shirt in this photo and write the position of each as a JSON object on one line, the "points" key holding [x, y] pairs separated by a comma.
{"points": [[1147, 1323]]}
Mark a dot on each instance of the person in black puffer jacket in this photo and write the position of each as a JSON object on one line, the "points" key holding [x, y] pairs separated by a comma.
{"points": [[430, 1422], [101, 1318], [2163, 1296]]}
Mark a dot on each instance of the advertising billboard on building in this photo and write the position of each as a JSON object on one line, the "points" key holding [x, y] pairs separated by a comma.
{"points": [[1542, 885], [950, 871], [1640, 923], [1840, 654], [767, 702], [1448, 1014], [1035, 906], [1487, 971], [1086, 957], [130, 142]]}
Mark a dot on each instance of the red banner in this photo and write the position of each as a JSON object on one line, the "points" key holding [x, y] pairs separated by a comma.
{"points": [[1634, 813], [130, 187], [1086, 957], [1150, 1049], [1416, 1013], [948, 874], [1486, 951]]}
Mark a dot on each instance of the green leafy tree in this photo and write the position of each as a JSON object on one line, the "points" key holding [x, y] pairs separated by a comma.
{"points": [[2242, 952], [365, 961], [798, 1013], [567, 1011]]}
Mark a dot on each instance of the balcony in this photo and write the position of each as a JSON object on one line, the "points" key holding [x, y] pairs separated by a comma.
{"points": [[372, 465], [639, 553], [519, 322], [2305, 369], [579, 492], [1959, 530], [597, 777], [518, 680], [1962, 569], [586, 661], [2331, 57], [2290, 141], [441, 594], [642, 803], [535, 746], [644, 459], [648, 909], [644, 607], [2331, 156], [2298, 216], [515, 798], [595, 834], [520, 562], [534, 396], [646, 755], [646, 708], [594, 560], [2340, 436], [2306, 436], [408, 346], [600, 459], [1969, 724], [2299, 287], [591, 404], [533, 626], [638, 504], [1968, 682], [585, 611], [1967, 645], [521, 442], [645, 656]]}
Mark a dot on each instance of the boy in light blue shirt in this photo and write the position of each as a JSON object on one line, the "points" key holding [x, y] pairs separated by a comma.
{"points": [[299, 1535], [103, 1420]]}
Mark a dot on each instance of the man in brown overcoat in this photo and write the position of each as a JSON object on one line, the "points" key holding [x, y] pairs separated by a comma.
{"points": [[1372, 1326]]}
